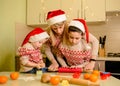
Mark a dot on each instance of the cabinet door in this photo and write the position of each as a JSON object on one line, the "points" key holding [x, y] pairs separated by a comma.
{"points": [[46, 6], [93, 12], [112, 5], [37, 10], [33, 11], [72, 8]]}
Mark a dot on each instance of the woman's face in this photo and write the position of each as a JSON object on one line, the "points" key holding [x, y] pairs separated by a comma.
{"points": [[58, 28], [74, 37]]}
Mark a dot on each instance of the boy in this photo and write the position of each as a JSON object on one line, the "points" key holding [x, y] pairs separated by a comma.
{"points": [[30, 55]]}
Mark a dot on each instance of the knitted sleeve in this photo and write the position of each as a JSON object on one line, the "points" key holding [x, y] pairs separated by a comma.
{"points": [[95, 44]]}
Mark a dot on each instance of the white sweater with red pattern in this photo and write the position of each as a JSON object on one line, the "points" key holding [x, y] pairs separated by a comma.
{"points": [[29, 54], [79, 54]]}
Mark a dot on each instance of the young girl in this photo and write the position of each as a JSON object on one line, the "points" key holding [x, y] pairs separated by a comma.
{"points": [[30, 55], [75, 49], [57, 26]]}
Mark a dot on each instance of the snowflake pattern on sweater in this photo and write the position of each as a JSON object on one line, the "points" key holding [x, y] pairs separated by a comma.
{"points": [[34, 55], [75, 56]]}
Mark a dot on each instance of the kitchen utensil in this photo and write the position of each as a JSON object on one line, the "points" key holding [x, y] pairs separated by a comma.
{"points": [[45, 78]]}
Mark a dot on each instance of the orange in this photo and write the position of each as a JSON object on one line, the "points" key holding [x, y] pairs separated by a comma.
{"points": [[93, 78], [86, 75], [3, 79], [14, 75], [96, 72], [55, 80]]}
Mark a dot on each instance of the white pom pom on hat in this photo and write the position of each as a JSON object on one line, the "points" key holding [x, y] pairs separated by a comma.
{"points": [[55, 16], [35, 35], [81, 24]]}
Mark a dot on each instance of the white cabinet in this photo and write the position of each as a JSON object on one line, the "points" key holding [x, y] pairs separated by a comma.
{"points": [[37, 10], [93, 10], [72, 8], [112, 5]]}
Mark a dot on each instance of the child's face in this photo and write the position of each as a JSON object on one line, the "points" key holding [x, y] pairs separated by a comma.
{"points": [[38, 44], [74, 37], [58, 28]]}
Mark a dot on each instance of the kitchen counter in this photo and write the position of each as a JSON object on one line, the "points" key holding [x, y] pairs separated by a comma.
{"points": [[34, 80], [108, 59]]}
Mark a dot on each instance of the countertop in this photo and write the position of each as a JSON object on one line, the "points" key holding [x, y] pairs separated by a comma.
{"points": [[34, 80], [108, 59]]}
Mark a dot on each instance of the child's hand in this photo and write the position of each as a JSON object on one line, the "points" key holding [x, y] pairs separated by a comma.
{"points": [[40, 65], [53, 67]]}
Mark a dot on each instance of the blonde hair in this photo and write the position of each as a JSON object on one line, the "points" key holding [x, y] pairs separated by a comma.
{"points": [[52, 35]]}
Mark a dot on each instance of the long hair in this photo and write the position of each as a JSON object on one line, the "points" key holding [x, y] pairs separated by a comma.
{"points": [[52, 34]]}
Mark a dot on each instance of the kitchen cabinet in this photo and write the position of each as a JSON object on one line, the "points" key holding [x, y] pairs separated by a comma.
{"points": [[112, 66], [112, 5], [108, 64], [93, 10], [37, 10], [72, 9]]}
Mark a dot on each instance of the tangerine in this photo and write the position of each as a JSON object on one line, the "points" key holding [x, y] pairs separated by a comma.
{"points": [[96, 72], [93, 78], [86, 76], [55, 80], [14, 75], [3, 79]]}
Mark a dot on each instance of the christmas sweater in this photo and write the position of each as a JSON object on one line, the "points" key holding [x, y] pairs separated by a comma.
{"points": [[79, 54], [27, 54]]}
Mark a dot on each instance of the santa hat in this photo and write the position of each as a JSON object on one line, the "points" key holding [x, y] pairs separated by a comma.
{"points": [[35, 35], [81, 24], [56, 16]]}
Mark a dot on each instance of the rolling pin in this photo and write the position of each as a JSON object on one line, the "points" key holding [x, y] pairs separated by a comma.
{"points": [[79, 81], [45, 78]]}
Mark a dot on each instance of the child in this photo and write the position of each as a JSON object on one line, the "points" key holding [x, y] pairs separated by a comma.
{"points": [[30, 55], [75, 49]]}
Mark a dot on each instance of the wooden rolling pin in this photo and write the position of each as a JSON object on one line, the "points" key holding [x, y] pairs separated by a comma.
{"points": [[45, 78]]}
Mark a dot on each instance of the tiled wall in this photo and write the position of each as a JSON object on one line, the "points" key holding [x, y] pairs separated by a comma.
{"points": [[111, 28]]}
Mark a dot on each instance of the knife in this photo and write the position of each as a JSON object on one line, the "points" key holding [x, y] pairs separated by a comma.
{"points": [[104, 39]]}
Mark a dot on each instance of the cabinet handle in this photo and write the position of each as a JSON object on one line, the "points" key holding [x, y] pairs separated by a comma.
{"points": [[84, 14], [40, 17], [45, 15], [78, 13], [82, 7]]}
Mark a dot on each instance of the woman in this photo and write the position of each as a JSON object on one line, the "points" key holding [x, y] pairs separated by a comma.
{"points": [[57, 25]]}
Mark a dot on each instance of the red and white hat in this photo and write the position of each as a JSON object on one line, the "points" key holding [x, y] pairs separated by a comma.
{"points": [[35, 35], [81, 24], [56, 16]]}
